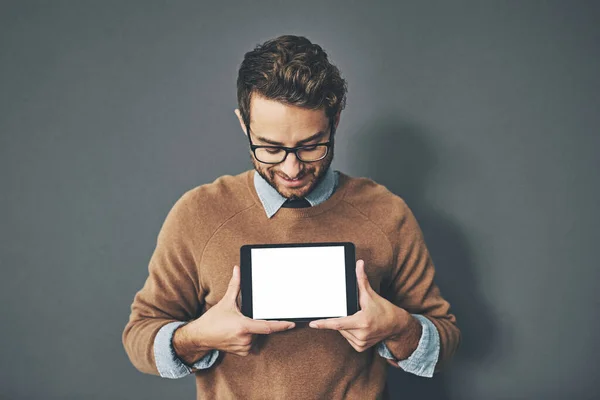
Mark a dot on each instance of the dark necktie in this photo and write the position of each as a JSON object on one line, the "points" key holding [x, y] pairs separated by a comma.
{"points": [[296, 203]]}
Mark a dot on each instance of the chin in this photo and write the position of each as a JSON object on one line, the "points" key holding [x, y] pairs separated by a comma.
{"points": [[299, 192], [269, 175]]}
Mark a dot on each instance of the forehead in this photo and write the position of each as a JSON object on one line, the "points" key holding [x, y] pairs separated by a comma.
{"points": [[270, 117]]}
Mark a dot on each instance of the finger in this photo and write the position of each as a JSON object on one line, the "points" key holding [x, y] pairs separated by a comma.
{"points": [[239, 348], [349, 334], [364, 287], [358, 345], [350, 338], [233, 289], [267, 327], [361, 277], [351, 322]]}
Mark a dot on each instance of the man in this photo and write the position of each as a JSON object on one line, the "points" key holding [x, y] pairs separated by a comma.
{"points": [[186, 318]]}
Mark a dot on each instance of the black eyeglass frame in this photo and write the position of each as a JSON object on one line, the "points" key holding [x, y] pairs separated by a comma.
{"points": [[294, 150]]}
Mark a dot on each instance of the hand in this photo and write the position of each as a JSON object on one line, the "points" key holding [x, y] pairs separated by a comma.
{"points": [[377, 320], [225, 328]]}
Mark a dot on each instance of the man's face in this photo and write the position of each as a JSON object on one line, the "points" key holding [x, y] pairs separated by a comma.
{"points": [[274, 123]]}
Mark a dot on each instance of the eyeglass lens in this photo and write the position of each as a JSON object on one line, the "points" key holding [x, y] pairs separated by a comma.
{"points": [[274, 155]]}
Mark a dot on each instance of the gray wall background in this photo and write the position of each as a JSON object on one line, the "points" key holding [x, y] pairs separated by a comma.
{"points": [[483, 116]]}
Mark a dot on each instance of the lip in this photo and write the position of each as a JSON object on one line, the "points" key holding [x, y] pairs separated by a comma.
{"points": [[289, 183]]}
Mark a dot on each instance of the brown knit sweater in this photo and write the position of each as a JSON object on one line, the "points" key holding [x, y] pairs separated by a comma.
{"points": [[199, 243]]}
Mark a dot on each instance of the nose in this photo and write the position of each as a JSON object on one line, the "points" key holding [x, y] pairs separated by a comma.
{"points": [[291, 165]]}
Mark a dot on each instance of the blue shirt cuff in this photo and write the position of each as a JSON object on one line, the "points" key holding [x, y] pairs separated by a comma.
{"points": [[167, 362], [423, 360]]}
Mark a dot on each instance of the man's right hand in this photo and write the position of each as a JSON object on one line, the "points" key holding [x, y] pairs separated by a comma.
{"points": [[223, 327]]}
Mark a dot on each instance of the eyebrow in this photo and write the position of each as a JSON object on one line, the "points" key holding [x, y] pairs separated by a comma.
{"points": [[308, 139]]}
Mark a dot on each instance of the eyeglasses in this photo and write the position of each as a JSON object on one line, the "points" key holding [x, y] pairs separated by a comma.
{"points": [[277, 154]]}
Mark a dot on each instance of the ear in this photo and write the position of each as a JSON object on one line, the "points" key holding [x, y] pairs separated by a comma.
{"points": [[241, 120], [337, 119]]}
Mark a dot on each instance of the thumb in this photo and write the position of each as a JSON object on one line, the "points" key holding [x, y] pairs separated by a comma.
{"points": [[233, 289], [361, 278]]}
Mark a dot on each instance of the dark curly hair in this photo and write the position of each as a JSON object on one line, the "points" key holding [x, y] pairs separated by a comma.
{"points": [[292, 70]]}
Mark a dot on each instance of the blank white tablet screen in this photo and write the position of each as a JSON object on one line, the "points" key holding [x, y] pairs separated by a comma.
{"points": [[298, 282]]}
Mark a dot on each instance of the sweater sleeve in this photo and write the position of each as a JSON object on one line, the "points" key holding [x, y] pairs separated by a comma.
{"points": [[171, 291], [412, 285]]}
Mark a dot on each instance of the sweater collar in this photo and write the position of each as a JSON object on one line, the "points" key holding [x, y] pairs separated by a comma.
{"points": [[272, 200]]}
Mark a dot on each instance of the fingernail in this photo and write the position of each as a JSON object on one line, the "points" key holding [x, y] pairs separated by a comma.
{"points": [[290, 327], [313, 325]]}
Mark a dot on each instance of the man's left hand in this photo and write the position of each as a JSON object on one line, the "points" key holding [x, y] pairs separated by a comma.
{"points": [[377, 320]]}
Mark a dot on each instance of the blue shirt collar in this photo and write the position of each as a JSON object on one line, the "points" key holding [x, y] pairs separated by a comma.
{"points": [[272, 200]]}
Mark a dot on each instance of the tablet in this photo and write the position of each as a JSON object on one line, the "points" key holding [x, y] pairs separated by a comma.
{"points": [[298, 282]]}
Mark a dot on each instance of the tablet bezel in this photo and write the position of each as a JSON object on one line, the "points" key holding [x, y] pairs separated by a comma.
{"points": [[350, 270]]}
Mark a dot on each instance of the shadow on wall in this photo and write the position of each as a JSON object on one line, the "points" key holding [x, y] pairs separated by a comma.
{"points": [[395, 154]]}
